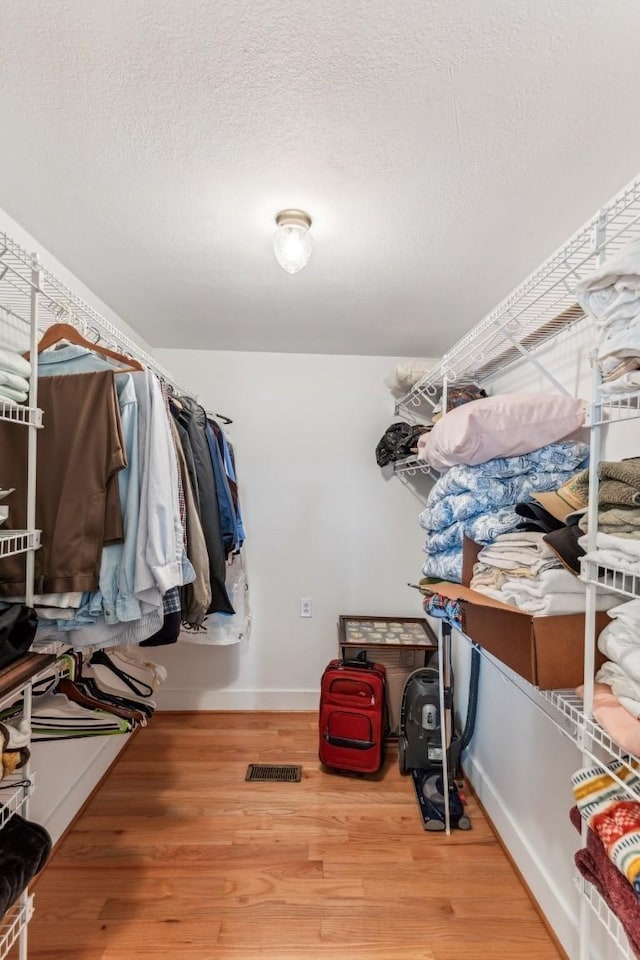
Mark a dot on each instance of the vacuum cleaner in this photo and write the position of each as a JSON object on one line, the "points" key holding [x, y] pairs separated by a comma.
{"points": [[420, 750]]}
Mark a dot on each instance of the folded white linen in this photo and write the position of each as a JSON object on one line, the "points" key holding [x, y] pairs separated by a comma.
{"points": [[627, 383], [622, 553], [621, 645], [620, 682], [556, 580], [14, 381], [512, 550], [11, 395], [553, 603], [612, 292], [545, 606], [405, 375], [12, 362], [629, 610]]}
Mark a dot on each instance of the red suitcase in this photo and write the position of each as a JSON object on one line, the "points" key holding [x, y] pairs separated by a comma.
{"points": [[352, 716]]}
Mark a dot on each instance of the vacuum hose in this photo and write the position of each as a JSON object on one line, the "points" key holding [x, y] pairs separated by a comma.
{"points": [[472, 705]]}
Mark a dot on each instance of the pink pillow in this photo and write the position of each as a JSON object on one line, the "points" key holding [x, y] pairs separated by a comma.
{"points": [[502, 426]]}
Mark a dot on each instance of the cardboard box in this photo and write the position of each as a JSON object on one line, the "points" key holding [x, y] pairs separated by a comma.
{"points": [[546, 651]]}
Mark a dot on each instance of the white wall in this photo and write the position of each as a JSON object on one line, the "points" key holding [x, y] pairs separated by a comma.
{"points": [[321, 520], [519, 763]]}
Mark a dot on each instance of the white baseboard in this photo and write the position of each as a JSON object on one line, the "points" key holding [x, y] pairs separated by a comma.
{"points": [[550, 898], [194, 699]]}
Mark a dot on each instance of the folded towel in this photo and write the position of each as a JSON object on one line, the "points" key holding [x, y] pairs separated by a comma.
{"points": [[620, 643], [595, 866], [514, 550], [11, 395], [622, 553], [623, 686], [14, 381], [555, 579], [554, 604], [629, 611], [12, 362], [629, 383], [610, 813]]}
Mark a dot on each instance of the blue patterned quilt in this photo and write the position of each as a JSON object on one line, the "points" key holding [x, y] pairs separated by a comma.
{"points": [[478, 501]]}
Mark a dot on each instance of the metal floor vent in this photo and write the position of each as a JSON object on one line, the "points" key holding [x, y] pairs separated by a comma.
{"points": [[264, 771]]}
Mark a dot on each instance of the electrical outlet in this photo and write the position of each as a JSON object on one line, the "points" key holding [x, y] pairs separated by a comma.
{"points": [[305, 607]]}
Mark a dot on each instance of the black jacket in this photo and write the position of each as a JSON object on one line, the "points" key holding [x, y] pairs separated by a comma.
{"points": [[191, 421]]}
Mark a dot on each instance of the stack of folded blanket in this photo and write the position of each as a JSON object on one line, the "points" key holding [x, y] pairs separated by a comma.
{"points": [[620, 643], [610, 812], [620, 552], [14, 376], [520, 569], [595, 866], [618, 498], [611, 296], [616, 695], [479, 501]]}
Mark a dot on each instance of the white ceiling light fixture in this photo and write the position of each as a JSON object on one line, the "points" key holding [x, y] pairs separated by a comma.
{"points": [[292, 242]]}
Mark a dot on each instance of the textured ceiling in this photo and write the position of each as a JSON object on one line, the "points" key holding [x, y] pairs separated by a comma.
{"points": [[442, 147]]}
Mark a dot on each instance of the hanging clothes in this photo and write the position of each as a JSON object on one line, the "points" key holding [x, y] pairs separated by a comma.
{"points": [[78, 505], [193, 420]]}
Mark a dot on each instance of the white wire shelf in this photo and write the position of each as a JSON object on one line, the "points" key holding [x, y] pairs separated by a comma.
{"points": [[58, 304], [611, 578], [566, 714], [614, 410], [18, 541], [16, 413], [606, 917], [541, 308], [14, 797], [588, 734], [411, 466], [12, 925]]}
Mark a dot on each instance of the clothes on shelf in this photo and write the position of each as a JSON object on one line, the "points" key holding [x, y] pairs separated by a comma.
{"points": [[405, 375], [611, 295], [621, 553], [595, 866], [611, 814], [399, 441], [479, 501], [137, 503], [616, 703], [15, 373], [521, 570], [24, 849]]}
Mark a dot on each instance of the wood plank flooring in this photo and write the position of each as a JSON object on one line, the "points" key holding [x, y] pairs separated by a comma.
{"points": [[178, 857]]}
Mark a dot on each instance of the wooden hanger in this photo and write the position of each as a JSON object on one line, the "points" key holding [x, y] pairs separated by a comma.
{"points": [[65, 331]]}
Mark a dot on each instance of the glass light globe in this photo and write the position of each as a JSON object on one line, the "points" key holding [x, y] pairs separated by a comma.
{"points": [[292, 241]]}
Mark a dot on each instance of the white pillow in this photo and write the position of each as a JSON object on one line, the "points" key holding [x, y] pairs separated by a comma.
{"points": [[502, 426]]}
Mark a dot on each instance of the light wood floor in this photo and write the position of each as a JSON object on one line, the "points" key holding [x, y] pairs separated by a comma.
{"points": [[177, 857]]}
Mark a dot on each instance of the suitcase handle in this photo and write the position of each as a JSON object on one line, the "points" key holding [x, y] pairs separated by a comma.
{"points": [[349, 744], [359, 664]]}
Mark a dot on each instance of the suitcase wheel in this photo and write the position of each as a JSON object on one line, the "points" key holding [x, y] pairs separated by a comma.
{"points": [[402, 756]]}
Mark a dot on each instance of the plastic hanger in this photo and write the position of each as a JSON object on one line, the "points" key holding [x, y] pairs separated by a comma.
{"points": [[65, 331]]}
